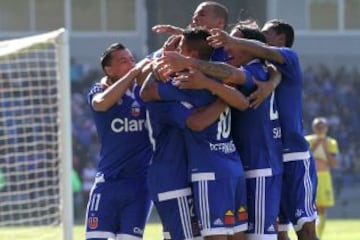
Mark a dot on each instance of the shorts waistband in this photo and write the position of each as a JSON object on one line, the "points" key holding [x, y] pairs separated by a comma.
{"points": [[100, 178], [296, 156], [164, 196]]}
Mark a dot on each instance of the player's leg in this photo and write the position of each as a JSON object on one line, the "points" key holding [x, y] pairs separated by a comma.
{"points": [[300, 182], [306, 224], [241, 216], [101, 213], [263, 206], [321, 224], [284, 224], [215, 206], [283, 235], [136, 210], [325, 198], [175, 209]]}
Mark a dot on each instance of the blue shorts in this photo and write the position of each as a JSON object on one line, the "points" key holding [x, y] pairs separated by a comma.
{"points": [[176, 212], [263, 206], [117, 208], [299, 195], [220, 204]]}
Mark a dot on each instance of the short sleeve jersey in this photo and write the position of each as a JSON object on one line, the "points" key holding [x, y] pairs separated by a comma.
{"points": [[256, 132], [125, 148], [211, 150], [288, 96]]}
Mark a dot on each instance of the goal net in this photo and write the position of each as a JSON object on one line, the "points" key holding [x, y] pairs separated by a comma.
{"points": [[35, 138]]}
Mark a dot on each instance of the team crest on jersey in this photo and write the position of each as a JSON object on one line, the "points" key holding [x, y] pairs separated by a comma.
{"points": [[135, 109], [229, 218], [93, 222], [242, 214]]}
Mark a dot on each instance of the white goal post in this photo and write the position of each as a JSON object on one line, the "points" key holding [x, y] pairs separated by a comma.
{"points": [[35, 137]]}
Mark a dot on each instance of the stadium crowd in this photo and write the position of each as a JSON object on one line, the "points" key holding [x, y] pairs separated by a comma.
{"points": [[328, 92]]}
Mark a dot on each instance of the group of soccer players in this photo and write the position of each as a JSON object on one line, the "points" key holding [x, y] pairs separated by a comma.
{"points": [[206, 130]]}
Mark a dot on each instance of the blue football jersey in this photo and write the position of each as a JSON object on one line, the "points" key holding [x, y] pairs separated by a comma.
{"points": [[219, 55], [169, 164], [125, 148], [288, 96], [211, 150], [257, 132]]}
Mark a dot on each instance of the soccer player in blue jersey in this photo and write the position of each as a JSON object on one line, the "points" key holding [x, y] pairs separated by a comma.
{"points": [[299, 180], [213, 161], [208, 14], [119, 202], [256, 134]]}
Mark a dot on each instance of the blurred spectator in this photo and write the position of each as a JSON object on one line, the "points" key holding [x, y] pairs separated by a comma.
{"points": [[77, 194], [88, 177], [333, 93], [77, 70]]}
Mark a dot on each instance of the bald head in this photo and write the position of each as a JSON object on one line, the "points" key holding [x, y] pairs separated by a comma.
{"points": [[209, 15]]}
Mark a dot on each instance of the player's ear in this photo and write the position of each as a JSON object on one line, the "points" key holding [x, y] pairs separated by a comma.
{"points": [[108, 70], [194, 54], [221, 23], [282, 39]]}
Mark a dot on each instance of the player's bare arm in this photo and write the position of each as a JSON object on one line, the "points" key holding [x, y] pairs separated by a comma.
{"points": [[203, 117], [264, 89], [194, 79], [220, 38], [103, 101], [146, 68], [173, 62], [331, 157], [149, 90], [167, 28]]}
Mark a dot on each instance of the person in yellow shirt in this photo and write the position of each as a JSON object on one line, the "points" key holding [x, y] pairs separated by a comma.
{"points": [[325, 150]]}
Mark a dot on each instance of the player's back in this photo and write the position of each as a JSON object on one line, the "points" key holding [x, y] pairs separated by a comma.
{"points": [[125, 148], [168, 168], [213, 149], [257, 132], [210, 150]]}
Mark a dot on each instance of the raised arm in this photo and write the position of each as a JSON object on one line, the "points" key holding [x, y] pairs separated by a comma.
{"points": [[166, 28], [203, 117], [220, 38], [173, 62], [149, 89], [264, 89], [194, 79], [104, 100]]}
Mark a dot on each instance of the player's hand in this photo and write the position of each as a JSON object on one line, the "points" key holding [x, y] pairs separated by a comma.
{"points": [[166, 28], [160, 71], [264, 89], [218, 38], [170, 63], [172, 43], [144, 68], [192, 79]]}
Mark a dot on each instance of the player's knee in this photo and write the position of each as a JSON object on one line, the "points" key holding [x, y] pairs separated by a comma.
{"points": [[307, 232], [283, 236]]}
